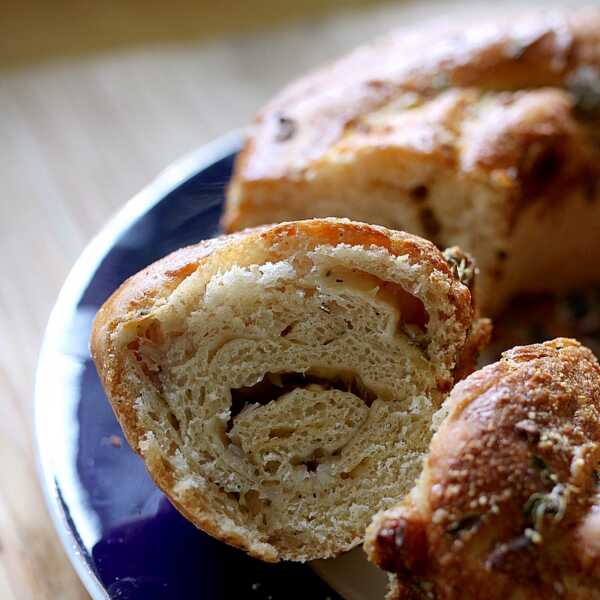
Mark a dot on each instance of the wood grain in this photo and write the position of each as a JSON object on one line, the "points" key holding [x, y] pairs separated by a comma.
{"points": [[81, 132]]}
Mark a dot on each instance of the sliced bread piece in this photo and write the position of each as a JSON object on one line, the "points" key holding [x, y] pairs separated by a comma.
{"points": [[280, 383]]}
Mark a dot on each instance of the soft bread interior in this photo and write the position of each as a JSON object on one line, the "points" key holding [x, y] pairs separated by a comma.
{"points": [[286, 402]]}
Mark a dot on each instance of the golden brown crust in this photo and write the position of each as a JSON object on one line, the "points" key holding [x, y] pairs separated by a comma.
{"points": [[136, 296], [150, 289], [506, 505], [536, 51]]}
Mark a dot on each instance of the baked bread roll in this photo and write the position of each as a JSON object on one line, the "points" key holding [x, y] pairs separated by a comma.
{"points": [[485, 137], [279, 384], [508, 504]]}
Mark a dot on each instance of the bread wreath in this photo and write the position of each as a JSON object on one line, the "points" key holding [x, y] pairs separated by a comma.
{"points": [[484, 137]]}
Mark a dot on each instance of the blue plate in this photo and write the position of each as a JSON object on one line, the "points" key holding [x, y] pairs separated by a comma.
{"points": [[124, 538]]}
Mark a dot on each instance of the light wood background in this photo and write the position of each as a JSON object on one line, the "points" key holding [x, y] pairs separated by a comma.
{"points": [[95, 99]]}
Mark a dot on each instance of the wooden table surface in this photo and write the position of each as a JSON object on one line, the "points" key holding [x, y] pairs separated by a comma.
{"points": [[93, 104]]}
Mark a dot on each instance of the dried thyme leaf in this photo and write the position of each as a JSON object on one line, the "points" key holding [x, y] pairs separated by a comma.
{"points": [[440, 81], [461, 264], [553, 503], [286, 128], [584, 84], [464, 524], [540, 465], [422, 589]]}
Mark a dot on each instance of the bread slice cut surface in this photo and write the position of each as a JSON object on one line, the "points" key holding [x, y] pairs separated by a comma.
{"points": [[280, 383]]}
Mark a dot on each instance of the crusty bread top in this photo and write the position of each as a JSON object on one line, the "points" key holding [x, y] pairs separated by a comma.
{"points": [[554, 58], [544, 398], [507, 503], [150, 289]]}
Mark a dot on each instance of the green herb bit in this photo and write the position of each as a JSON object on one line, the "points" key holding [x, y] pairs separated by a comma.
{"points": [[461, 265], [465, 524], [540, 465], [540, 504]]}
